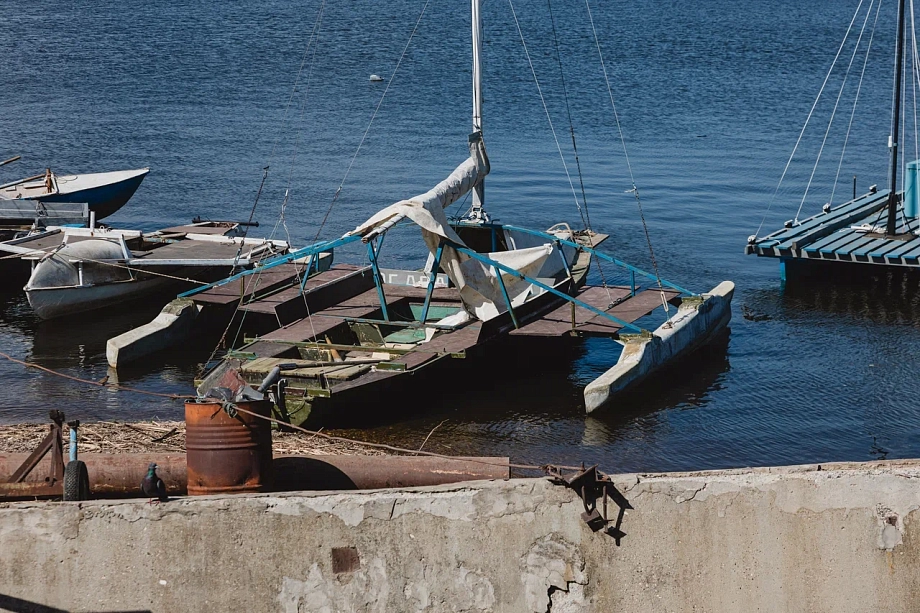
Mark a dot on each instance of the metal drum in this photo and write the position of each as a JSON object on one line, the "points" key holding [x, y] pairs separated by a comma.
{"points": [[227, 454]]}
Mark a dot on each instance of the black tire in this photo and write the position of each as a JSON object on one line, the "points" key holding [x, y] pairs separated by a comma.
{"points": [[76, 481]]}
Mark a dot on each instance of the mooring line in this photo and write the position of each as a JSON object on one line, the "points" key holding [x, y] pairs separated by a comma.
{"points": [[543, 467]]}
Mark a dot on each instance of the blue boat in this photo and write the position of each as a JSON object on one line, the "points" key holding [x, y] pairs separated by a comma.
{"points": [[103, 192]]}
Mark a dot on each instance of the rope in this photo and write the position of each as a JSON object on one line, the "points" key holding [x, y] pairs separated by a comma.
{"points": [[115, 265], [548, 118], [338, 191], [113, 386], [632, 178], [808, 118], [830, 123], [122, 388], [584, 196], [297, 141], [862, 75], [253, 282]]}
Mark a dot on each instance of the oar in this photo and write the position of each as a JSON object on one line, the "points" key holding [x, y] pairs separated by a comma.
{"points": [[12, 159]]}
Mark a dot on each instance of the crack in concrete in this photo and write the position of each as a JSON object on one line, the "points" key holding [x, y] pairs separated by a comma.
{"points": [[681, 498]]}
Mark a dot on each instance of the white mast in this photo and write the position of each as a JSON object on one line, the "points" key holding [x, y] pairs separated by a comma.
{"points": [[479, 191]]}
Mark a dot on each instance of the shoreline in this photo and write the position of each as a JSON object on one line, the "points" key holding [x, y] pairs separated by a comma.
{"points": [[161, 436]]}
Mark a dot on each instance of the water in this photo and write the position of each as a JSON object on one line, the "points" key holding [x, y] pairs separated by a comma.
{"points": [[711, 97]]}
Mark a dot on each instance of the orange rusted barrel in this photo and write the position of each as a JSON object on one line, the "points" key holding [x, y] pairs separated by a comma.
{"points": [[227, 454]]}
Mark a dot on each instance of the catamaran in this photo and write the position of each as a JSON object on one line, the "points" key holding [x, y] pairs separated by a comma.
{"points": [[373, 331]]}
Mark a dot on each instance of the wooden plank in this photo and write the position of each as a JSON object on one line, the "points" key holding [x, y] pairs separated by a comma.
{"points": [[317, 283], [455, 341], [848, 250], [863, 251], [260, 282], [836, 218], [837, 240], [893, 245], [824, 225], [906, 247], [559, 321], [631, 310]]}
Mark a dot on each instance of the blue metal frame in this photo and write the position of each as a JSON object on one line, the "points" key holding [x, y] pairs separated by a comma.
{"points": [[306, 273], [315, 249], [501, 283], [603, 256], [378, 281], [434, 277], [552, 290]]}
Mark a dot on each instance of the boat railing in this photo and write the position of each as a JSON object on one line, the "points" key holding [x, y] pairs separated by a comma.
{"points": [[602, 256]]}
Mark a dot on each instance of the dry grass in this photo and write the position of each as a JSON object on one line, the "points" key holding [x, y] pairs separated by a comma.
{"points": [[161, 436]]}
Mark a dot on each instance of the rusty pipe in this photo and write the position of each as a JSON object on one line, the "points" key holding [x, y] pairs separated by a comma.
{"points": [[120, 474]]}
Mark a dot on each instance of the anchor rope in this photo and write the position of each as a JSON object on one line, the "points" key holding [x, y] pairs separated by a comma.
{"points": [[122, 388], [830, 122], [808, 118], [632, 178], [859, 85], [548, 118]]}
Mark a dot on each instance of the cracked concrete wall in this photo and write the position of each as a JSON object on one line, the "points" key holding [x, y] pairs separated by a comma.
{"points": [[839, 538]]}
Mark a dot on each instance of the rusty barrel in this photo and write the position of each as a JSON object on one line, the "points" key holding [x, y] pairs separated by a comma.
{"points": [[228, 451]]}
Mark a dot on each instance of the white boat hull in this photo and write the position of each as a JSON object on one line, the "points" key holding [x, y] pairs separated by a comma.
{"points": [[696, 323], [49, 303]]}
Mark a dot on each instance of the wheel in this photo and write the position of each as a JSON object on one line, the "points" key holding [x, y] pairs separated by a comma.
{"points": [[76, 481]]}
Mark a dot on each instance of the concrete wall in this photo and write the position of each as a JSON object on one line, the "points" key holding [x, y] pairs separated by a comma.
{"points": [[842, 538]]}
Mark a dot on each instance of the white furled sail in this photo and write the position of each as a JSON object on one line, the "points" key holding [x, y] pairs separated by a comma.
{"points": [[479, 286]]}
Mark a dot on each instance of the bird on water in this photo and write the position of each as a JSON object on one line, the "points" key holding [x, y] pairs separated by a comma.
{"points": [[153, 486]]}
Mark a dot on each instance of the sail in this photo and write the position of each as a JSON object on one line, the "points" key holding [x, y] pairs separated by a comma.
{"points": [[480, 289]]}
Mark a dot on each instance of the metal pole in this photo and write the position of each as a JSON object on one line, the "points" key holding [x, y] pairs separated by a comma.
{"points": [[434, 277], [895, 125], [476, 26], [378, 280]]}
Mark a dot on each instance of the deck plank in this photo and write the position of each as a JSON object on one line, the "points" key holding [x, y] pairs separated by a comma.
{"points": [[559, 321]]}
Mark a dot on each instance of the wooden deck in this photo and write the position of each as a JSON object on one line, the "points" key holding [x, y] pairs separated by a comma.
{"points": [[629, 309], [837, 236], [246, 287]]}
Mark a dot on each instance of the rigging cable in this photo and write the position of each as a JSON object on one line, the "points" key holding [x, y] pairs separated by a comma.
{"points": [[862, 75], [121, 388], [548, 118], [808, 118], [255, 279], [632, 178], [830, 123], [581, 181], [338, 190]]}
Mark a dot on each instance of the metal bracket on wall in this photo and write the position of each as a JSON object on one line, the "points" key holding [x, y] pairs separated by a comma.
{"points": [[590, 484]]}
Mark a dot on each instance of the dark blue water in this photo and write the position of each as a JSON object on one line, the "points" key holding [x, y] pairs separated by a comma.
{"points": [[711, 97]]}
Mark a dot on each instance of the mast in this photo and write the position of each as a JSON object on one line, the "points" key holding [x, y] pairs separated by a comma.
{"points": [[476, 25], [895, 124]]}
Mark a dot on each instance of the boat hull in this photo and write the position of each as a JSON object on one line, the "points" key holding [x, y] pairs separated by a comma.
{"points": [[50, 303], [695, 324], [106, 198], [103, 192]]}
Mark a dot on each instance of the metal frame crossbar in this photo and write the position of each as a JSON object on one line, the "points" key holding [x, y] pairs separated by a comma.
{"points": [[284, 259], [552, 290], [602, 256]]}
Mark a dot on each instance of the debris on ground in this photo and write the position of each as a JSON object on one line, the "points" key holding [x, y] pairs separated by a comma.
{"points": [[162, 436]]}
